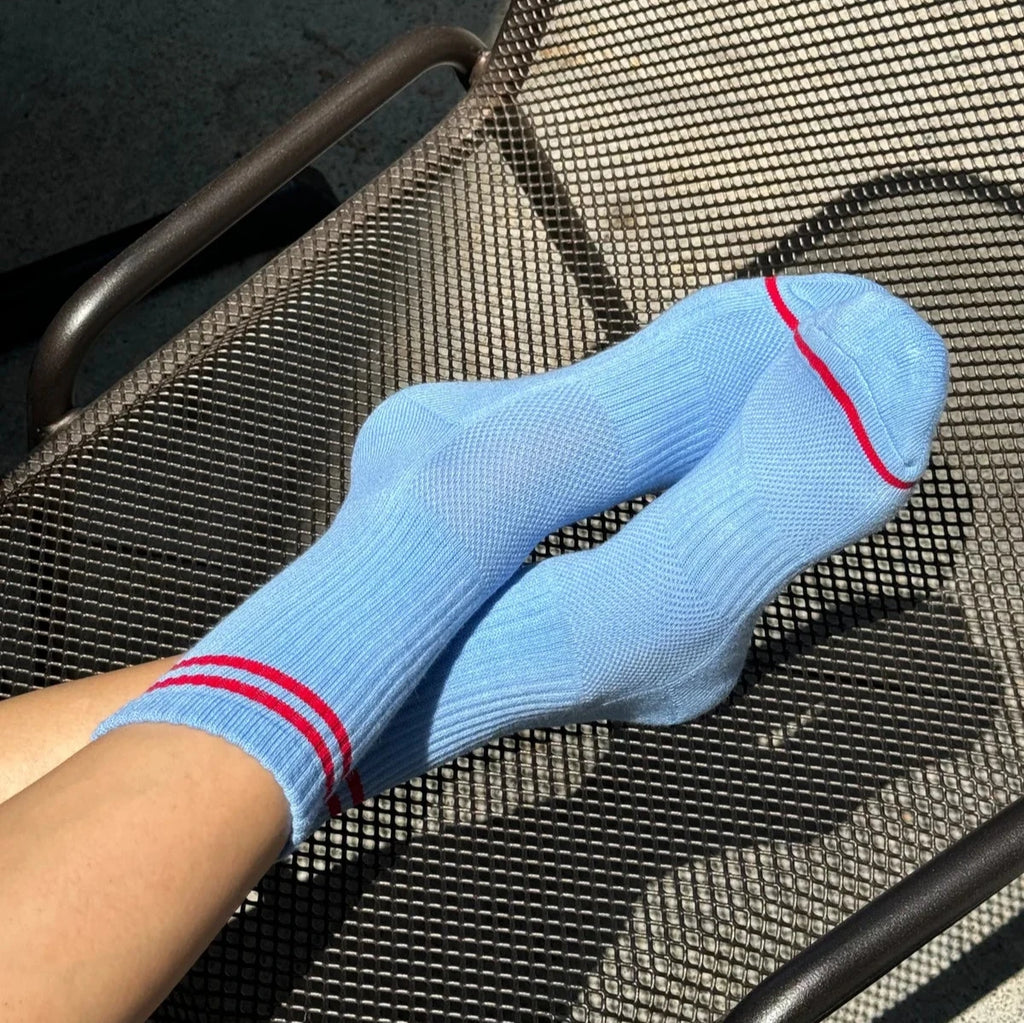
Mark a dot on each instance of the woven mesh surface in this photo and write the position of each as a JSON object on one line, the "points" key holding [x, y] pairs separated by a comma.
{"points": [[614, 156]]}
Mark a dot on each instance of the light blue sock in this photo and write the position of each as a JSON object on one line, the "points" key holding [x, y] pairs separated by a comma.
{"points": [[684, 376], [654, 625], [305, 674]]}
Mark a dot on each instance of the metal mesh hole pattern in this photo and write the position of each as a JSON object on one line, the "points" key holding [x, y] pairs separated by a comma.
{"points": [[613, 157]]}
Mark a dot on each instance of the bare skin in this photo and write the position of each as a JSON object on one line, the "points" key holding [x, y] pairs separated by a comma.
{"points": [[119, 865], [41, 729]]}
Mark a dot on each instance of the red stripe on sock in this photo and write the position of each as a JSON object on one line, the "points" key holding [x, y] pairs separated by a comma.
{"points": [[294, 686], [272, 703], [355, 788], [835, 387]]}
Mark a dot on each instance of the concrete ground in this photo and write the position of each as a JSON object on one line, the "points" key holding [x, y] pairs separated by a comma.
{"points": [[112, 113]]}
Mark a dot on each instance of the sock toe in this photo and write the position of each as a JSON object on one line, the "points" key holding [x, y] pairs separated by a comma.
{"points": [[805, 294], [894, 368]]}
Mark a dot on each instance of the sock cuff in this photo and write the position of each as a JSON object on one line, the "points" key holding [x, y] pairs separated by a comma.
{"points": [[271, 716]]}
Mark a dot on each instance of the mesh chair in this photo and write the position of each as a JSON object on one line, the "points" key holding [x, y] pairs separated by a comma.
{"points": [[610, 156]]}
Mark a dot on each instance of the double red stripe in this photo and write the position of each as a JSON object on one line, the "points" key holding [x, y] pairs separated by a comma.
{"points": [[292, 685], [834, 386], [278, 706]]}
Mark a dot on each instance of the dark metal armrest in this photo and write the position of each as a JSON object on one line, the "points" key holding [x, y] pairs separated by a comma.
{"points": [[891, 927], [212, 210]]}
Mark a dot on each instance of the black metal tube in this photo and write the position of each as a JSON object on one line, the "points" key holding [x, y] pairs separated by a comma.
{"points": [[891, 927], [212, 210]]}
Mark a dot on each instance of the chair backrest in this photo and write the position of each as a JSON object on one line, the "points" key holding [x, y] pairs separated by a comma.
{"points": [[613, 157]]}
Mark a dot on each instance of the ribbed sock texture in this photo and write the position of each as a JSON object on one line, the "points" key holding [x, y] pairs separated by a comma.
{"points": [[654, 625], [452, 486]]}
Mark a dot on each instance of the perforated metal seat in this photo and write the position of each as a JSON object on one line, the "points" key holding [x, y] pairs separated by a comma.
{"points": [[612, 157]]}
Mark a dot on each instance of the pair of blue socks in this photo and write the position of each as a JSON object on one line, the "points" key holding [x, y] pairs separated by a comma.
{"points": [[784, 418]]}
